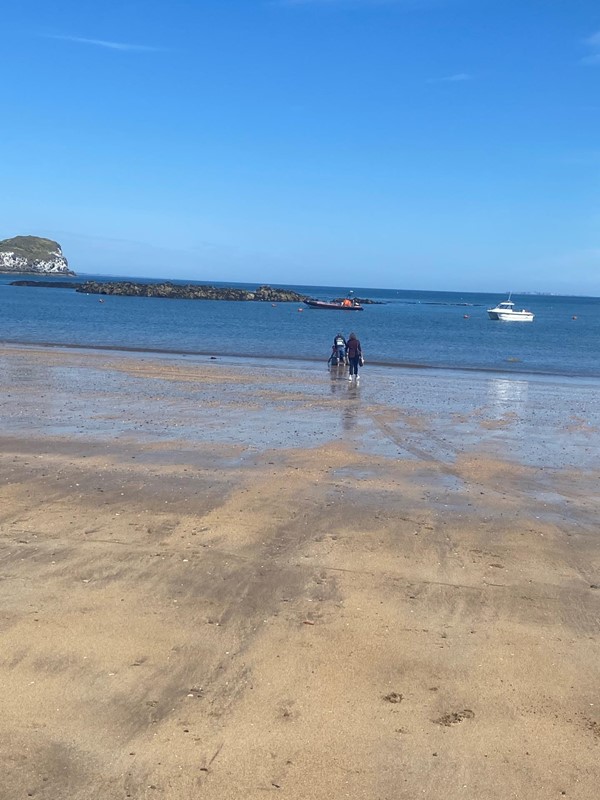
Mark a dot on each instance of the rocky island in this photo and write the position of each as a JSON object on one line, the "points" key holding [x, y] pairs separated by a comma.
{"points": [[190, 291], [32, 254], [171, 290]]}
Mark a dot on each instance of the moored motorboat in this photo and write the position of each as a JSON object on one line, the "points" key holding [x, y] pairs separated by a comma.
{"points": [[339, 305], [506, 312]]}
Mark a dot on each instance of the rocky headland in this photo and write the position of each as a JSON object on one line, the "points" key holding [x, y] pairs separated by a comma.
{"points": [[32, 254]]}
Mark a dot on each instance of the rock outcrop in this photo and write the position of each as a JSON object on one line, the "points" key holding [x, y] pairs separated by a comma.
{"points": [[190, 291], [31, 254], [172, 290]]}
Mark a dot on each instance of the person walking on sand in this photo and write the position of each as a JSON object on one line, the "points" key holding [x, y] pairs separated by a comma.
{"points": [[354, 355]]}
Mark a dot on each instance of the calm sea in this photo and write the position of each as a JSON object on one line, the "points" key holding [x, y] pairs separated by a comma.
{"points": [[409, 328]]}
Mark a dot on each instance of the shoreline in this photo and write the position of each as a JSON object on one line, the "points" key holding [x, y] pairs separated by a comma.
{"points": [[226, 581], [530, 420], [232, 358]]}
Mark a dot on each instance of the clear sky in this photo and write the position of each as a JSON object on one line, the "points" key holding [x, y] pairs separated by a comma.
{"points": [[424, 144]]}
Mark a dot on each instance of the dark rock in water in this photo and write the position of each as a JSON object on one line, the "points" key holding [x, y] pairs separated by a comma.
{"points": [[263, 294], [48, 284], [33, 254], [189, 291]]}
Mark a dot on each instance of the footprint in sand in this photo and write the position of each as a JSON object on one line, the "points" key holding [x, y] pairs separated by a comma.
{"points": [[455, 717], [393, 697]]}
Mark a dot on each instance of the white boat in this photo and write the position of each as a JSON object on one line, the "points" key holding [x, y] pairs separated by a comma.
{"points": [[507, 312]]}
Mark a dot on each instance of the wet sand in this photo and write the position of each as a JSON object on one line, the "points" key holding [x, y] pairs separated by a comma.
{"points": [[221, 580]]}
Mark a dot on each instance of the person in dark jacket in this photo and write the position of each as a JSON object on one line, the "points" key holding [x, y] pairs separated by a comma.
{"points": [[339, 348], [353, 354]]}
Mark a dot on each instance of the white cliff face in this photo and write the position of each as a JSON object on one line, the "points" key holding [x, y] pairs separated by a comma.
{"points": [[55, 265]]}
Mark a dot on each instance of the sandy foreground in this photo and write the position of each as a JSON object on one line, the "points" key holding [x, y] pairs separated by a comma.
{"points": [[219, 581]]}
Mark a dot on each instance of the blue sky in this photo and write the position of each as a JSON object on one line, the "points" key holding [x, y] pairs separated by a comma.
{"points": [[425, 144]]}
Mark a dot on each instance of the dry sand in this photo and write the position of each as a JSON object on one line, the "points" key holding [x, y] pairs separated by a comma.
{"points": [[219, 582]]}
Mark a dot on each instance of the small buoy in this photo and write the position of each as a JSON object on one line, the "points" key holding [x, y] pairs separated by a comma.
{"points": [[300, 309]]}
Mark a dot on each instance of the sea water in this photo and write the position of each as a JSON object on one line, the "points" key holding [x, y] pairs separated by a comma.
{"points": [[405, 328]]}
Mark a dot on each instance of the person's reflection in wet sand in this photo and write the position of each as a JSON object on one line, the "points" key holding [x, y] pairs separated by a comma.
{"points": [[350, 412], [336, 374]]}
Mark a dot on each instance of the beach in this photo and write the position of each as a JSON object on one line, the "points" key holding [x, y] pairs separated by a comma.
{"points": [[227, 578]]}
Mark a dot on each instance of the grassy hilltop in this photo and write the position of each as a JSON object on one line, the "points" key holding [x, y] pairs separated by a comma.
{"points": [[32, 254], [33, 248]]}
